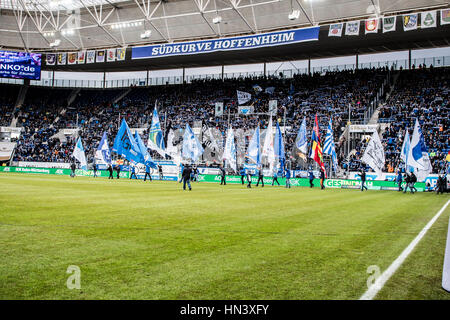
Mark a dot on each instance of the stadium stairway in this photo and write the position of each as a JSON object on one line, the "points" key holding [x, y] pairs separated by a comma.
{"points": [[72, 96], [121, 95]]}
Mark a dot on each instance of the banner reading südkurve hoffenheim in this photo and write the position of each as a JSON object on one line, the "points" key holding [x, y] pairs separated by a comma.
{"points": [[225, 44]]}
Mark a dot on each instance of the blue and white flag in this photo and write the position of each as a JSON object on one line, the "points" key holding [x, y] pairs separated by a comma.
{"points": [[279, 147], [257, 89], [229, 155], [301, 141], [155, 135], [270, 90], [78, 153], [417, 149], [418, 158], [146, 158], [192, 148], [405, 150], [253, 152], [329, 146], [125, 144], [103, 154], [243, 97]]}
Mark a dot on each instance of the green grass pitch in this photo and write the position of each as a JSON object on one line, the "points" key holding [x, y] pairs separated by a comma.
{"points": [[136, 240]]}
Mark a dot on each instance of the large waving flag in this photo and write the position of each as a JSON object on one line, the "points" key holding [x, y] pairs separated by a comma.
{"points": [[279, 147], [268, 149], [229, 155], [78, 153], [103, 155], [125, 144], [301, 141], [329, 146], [417, 148], [374, 154], [253, 153], [155, 136], [146, 158], [316, 149], [418, 157], [192, 148]]}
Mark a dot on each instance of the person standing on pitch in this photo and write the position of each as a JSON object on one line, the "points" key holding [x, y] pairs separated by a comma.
{"points": [[260, 177], [222, 175], [275, 177], [412, 181], [186, 177], [242, 173], [249, 178], [133, 171], [288, 178], [95, 168], [363, 179], [118, 171], [322, 179], [407, 182], [399, 180], [148, 172], [110, 170], [311, 178], [73, 166], [160, 171]]}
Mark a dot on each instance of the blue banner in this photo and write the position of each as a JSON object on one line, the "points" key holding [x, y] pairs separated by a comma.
{"points": [[20, 65], [225, 44]]}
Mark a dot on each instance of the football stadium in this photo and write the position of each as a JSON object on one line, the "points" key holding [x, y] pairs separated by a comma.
{"points": [[199, 150]]}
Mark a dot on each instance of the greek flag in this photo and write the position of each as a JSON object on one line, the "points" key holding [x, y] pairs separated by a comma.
{"points": [[103, 155], [146, 158], [125, 144], [78, 153], [253, 153], [279, 147], [229, 154], [192, 148], [301, 142], [155, 136], [329, 146]]}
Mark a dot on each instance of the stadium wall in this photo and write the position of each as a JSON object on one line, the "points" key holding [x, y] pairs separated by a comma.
{"points": [[296, 182]]}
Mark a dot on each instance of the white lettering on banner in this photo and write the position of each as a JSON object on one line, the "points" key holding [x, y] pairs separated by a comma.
{"points": [[232, 43]]}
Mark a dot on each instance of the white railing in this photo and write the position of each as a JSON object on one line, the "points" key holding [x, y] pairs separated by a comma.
{"points": [[440, 61]]}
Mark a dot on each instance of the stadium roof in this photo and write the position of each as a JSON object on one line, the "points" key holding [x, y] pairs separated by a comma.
{"points": [[86, 24]]}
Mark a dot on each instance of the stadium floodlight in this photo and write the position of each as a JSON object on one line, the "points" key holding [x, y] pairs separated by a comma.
{"points": [[217, 19], [146, 34], [56, 43], [294, 14]]}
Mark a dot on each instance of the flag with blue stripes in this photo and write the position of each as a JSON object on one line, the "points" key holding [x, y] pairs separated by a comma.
{"points": [[155, 135], [329, 147]]}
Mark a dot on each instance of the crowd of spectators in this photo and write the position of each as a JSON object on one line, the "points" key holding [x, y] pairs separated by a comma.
{"points": [[421, 94], [418, 93]]}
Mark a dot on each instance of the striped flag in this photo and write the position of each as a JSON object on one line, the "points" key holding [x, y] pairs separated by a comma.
{"points": [[329, 147], [316, 149]]}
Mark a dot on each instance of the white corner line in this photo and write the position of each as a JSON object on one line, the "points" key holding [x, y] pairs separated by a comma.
{"points": [[384, 277]]}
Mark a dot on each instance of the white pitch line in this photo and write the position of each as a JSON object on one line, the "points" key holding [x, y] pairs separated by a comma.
{"points": [[381, 281]]}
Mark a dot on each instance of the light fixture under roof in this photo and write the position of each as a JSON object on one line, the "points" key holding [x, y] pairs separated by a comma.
{"points": [[56, 43], [217, 19], [146, 34], [294, 14]]}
